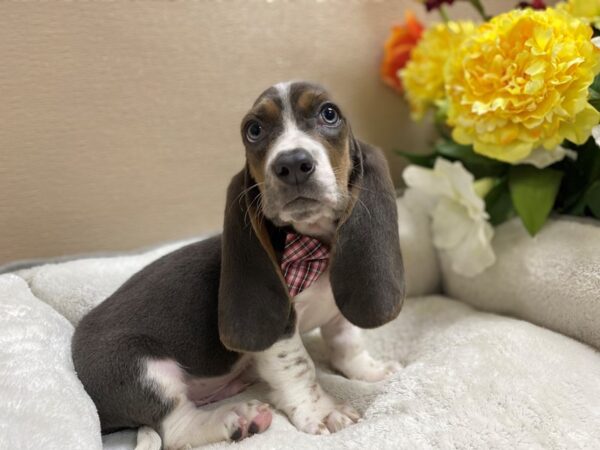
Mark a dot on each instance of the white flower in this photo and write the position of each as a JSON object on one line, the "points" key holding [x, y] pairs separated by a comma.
{"points": [[541, 158], [459, 221]]}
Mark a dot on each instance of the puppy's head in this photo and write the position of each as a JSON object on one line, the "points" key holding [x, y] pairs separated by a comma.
{"points": [[305, 169], [298, 147]]}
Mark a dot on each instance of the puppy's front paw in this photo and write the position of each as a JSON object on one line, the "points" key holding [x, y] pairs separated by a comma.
{"points": [[315, 420], [341, 417], [365, 368]]}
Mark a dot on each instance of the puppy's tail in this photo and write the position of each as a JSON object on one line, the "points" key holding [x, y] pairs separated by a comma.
{"points": [[148, 439]]}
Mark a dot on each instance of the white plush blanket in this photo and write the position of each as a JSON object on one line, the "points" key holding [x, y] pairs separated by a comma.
{"points": [[471, 379], [552, 280]]}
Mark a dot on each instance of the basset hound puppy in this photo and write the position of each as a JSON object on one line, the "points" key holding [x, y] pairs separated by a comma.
{"points": [[310, 240]]}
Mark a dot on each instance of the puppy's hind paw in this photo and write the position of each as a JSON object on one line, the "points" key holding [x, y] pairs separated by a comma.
{"points": [[148, 439], [246, 419], [258, 415]]}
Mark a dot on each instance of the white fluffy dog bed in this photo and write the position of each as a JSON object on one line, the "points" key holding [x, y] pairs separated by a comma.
{"points": [[471, 379]]}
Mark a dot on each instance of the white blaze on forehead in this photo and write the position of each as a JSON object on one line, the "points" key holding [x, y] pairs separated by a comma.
{"points": [[293, 137], [283, 89]]}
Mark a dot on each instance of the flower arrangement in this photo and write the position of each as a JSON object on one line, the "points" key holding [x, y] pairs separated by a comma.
{"points": [[516, 101]]}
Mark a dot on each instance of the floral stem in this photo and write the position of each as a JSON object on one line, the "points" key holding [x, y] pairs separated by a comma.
{"points": [[444, 13], [479, 7]]}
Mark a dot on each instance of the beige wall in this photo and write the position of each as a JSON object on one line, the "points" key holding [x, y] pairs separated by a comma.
{"points": [[119, 120]]}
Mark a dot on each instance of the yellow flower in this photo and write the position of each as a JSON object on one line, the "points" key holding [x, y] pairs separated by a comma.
{"points": [[423, 76], [586, 10], [520, 82]]}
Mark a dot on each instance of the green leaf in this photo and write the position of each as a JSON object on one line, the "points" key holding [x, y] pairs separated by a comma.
{"points": [[595, 86], [593, 199], [578, 206], [594, 93], [588, 199], [591, 159], [533, 192], [419, 160], [463, 153], [480, 166], [498, 203], [594, 99], [579, 175]]}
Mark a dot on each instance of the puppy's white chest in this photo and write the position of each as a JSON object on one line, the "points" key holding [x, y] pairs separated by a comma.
{"points": [[315, 306]]}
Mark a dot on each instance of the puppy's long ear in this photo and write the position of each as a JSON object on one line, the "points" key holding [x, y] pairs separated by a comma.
{"points": [[254, 305], [367, 275]]}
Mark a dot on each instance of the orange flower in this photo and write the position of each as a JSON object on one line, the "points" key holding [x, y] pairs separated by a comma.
{"points": [[397, 49]]}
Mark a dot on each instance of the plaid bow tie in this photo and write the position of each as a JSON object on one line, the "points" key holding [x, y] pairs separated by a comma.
{"points": [[304, 260]]}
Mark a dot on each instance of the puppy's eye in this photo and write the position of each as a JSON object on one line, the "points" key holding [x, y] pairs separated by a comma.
{"points": [[254, 131], [329, 115]]}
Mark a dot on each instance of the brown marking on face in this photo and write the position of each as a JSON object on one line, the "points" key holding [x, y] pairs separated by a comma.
{"points": [[267, 108], [308, 98], [267, 111], [257, 170], [341, 164]]}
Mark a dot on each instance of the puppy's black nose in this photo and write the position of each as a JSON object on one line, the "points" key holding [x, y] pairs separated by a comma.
{"points": [[294, 166]]}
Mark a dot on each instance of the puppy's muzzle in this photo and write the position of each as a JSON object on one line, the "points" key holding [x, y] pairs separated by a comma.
{"points": [[294, 167]]}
